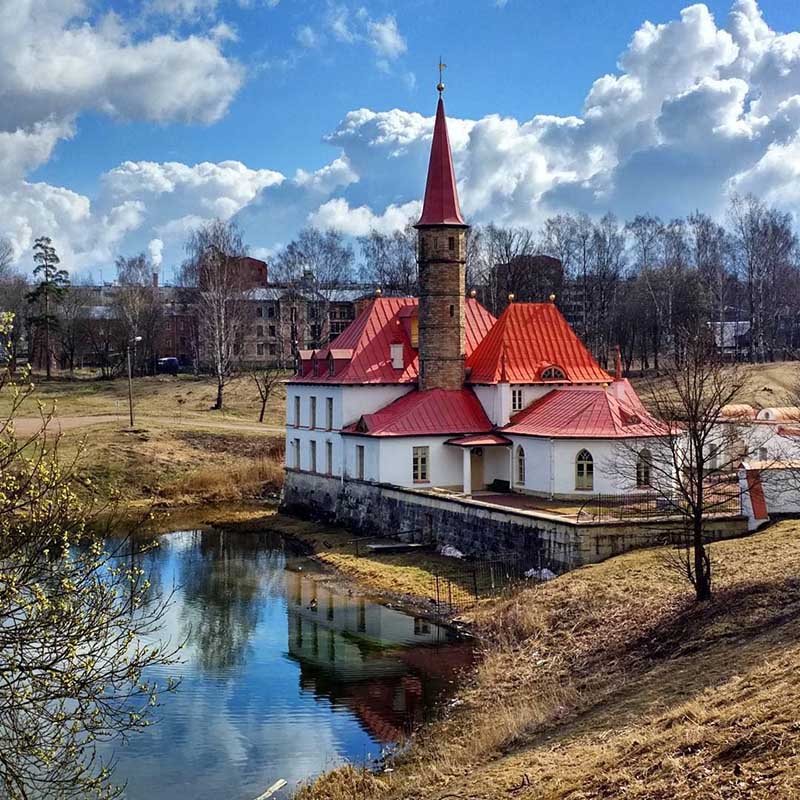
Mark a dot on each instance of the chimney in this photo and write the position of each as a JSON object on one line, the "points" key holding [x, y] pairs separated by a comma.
{"points": [[155, 280]]}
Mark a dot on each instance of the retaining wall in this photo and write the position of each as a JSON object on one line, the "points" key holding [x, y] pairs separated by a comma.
{"points": [[476, 528]]}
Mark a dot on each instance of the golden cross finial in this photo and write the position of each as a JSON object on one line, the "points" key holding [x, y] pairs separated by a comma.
{"points": [[442, 68]]}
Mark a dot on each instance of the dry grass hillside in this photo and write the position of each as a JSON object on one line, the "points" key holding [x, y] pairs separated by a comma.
{"points": [[610, 682], [771, 384]]}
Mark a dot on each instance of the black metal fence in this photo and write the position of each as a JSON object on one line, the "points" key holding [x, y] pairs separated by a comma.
{"points": [[460, 586], [721, 499]]}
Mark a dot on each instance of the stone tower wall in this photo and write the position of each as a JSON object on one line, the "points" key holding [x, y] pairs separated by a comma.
{"points": [[442, 275]]}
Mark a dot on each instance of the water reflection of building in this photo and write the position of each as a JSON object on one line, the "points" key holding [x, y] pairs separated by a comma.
{"points": [[387, 667]]}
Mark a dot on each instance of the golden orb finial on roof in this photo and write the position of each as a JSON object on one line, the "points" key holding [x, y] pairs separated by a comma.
{"points": [[378, 292], [511, 297], [552, 298], [473, 293], [442, 67]]}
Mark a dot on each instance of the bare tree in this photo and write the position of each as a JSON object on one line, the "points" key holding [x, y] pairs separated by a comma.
{"points": [[267, 379], [222, 288], [14, 290], [691, 465], [312, 264], [390, 260], [139, 308], [6, 256]]}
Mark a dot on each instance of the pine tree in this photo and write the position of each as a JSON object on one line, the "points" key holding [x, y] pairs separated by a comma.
{"points": [[52, 284]]}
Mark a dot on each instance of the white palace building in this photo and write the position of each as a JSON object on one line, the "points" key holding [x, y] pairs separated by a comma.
{"points": [[436, 393]]}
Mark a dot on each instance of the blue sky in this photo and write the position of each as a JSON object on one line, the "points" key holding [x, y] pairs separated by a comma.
{"points": [[100, 139]]}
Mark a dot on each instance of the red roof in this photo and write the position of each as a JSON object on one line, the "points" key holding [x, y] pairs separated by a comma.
{"points": [[426, 413], [362, 352], [529, 337], [613, 412], [440, 206], [756, 490]]}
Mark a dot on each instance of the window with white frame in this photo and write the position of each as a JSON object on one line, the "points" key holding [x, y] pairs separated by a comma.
{"points": [[312, 412], [329, 413], [312, 456], [520, 465], [419, 464], [297, 411], [516, 399], [360, 462], [584, 471], [329, 457]]}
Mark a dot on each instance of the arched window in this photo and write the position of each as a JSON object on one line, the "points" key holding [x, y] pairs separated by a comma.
{"points": [[520, 465], [643, 463], [584, 471], [553, 374]]}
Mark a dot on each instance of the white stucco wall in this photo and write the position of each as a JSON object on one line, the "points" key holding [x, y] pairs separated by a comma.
{"points": [[349, 403], [445, 465], [550, 466]]}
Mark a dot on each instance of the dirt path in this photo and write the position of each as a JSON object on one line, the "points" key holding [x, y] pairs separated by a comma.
{"points": [[25, 426]]}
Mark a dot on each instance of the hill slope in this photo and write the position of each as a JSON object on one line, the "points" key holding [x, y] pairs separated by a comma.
{"points": [[610, 682]]}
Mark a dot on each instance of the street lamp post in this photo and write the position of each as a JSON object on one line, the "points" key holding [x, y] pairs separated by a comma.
{"points": [[130, 376]]}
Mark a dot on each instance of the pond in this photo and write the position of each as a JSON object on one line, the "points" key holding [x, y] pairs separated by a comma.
{"points": [[282, 675]]}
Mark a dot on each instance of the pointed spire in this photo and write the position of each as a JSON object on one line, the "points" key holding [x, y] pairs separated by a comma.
{"points": [[441, 196]]}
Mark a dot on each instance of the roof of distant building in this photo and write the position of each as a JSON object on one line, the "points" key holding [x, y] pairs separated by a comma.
{"points": [[432, 412], [527, 340], [368, 338], [598, 412]]}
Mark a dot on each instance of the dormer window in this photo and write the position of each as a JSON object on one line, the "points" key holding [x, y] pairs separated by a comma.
{"points": [[553, 374], [331, 364]]}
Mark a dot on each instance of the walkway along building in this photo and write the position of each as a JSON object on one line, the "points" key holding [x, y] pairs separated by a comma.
{"points": [[431, 413]]}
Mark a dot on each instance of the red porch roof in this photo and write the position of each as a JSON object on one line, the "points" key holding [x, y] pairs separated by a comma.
{"points": [[362, 352], [529, 338], [615, 412], [435, 412]]}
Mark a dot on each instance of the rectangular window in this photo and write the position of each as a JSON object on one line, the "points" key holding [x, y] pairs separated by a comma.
{"points": [[260, 349], [273, 350], [360, 462], [312, 452], [270, 312], [312, 412], [419, 468], [260, 331], [259, 311], [296, 449], [329, 458], [297, 411], [451, 243], [272, 331], [329, 413], [516, 400]]}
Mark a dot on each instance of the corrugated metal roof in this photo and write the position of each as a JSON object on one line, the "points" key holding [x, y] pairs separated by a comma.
{"points": [[613, 412], [426, 413], [370, 335], [530, 337]]}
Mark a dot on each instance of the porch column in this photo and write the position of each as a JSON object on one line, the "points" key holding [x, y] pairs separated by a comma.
{"points": [[467, 454]]}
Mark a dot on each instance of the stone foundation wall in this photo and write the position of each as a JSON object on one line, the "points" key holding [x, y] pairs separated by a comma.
{"points": [[475, 528]]}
